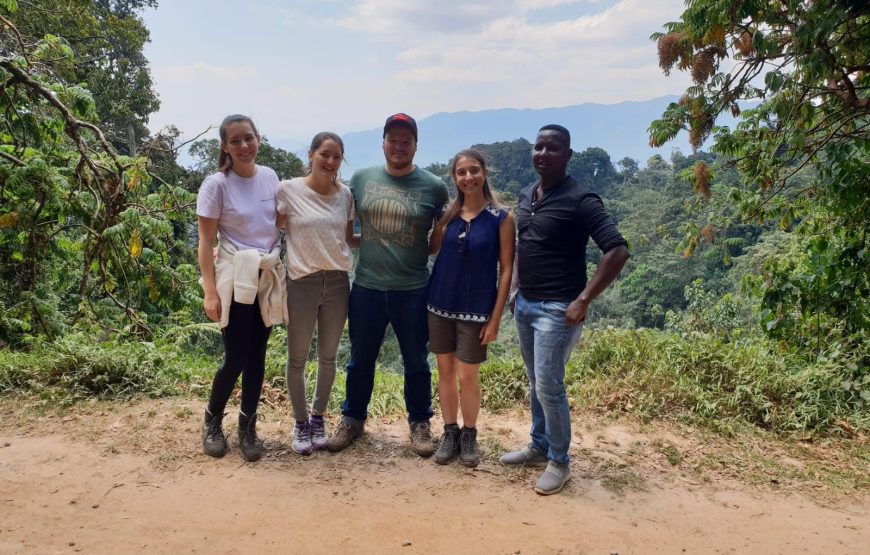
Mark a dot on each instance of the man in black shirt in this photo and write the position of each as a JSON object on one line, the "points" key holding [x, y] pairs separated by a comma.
{"points": [[556, 217]]}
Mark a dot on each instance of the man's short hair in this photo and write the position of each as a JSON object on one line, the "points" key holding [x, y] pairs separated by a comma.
{"points": [[560, 129]]}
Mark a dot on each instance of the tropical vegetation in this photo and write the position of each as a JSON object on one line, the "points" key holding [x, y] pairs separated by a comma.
{"points": [[746, 302]]}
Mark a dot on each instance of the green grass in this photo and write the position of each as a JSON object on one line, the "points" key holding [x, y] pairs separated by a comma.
{"points": [[619, 478], [701, 380], [670, 451], [73, 369], [694, 378]]}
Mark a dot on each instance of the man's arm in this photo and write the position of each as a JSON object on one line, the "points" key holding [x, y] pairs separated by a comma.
{"points": [[515, 281], [608, 268], [436, 238]]}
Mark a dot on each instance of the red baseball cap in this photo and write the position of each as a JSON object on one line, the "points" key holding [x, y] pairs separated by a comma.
{"points": [[401, 119]]}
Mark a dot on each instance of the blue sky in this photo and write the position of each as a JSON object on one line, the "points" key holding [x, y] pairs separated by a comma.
{"points": [[302, 67]]}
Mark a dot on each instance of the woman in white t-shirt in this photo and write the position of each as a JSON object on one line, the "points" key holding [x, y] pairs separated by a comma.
{"points": [[317, 214], [243, 280]]}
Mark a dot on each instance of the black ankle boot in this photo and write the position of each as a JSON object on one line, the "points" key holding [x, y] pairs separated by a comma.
{"points": [[250, 444], [469, 453], [214, 442], [448, 448]]}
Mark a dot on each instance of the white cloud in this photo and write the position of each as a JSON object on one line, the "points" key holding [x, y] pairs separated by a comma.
{"points": [[345, 67], [602, 57], [427, 37], [401, 20]]}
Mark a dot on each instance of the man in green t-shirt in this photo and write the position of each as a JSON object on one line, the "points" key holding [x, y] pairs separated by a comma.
{"points": [[396, 205]]}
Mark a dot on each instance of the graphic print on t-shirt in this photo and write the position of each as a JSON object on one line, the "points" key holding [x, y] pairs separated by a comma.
{"points": [[390, 214]]}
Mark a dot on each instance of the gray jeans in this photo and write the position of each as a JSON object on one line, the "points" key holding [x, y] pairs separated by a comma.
{"points": [[319, 298]]}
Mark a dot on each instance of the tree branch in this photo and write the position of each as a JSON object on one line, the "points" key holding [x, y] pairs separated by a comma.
{"points": [[12, 159], [72, 123], [17, 36], [845, 91]]}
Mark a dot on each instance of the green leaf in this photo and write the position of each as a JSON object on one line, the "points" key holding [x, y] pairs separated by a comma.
{"points": [[10, 6]]}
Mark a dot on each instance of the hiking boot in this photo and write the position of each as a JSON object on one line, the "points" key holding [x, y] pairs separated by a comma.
{"points": [[318, 432], [449, 446], [250, 444], [469, 454], [344, 436], [553, 479], [528, 455], [421, 439], [302, 439], [214, 442]]}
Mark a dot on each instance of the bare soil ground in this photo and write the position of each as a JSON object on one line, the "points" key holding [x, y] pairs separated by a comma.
{"points": [[130, 478]]}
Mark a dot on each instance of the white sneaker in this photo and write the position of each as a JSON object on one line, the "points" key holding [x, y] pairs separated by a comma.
{"points": [[302, 439]]}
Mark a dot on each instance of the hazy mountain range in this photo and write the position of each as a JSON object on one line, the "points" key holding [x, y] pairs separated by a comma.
{"points": [[620, 129]]}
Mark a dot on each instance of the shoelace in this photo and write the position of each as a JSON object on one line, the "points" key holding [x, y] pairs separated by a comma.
{"points": [[318, 427], [422, 431], [215, 429], [467, 442], [449, 439], [214, 432], [251, 429]]}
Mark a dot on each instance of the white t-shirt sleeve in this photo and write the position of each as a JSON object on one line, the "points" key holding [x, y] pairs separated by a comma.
{"points": [[210, 199], [351, 209], [282, 197]]}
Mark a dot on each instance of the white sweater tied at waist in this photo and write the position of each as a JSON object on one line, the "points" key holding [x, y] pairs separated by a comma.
{"points": [[237, 276]]}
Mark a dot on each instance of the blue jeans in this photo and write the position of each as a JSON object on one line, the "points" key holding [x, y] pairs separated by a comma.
{"points": [[546, 342], [369, 312]]}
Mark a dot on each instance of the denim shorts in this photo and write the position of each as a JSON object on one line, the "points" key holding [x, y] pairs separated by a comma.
{"points": [[448, 335]]}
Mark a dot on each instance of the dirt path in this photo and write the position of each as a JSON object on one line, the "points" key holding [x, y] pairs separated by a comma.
{"points": [[129, 479]]}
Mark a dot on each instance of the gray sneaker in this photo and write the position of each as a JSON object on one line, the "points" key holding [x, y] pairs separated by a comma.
{"points": [[344, 436], [421, 439], [528, 455], [553, 479]]}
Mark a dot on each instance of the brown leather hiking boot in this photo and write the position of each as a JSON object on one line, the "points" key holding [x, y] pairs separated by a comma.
{"points": [[345, 434], [421, 439]]}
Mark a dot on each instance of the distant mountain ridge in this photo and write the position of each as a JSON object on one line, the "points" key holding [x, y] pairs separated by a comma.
{"points": [[620, 129]]}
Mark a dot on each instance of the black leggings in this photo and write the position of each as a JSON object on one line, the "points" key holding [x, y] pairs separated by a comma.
{"points": [[245, 339]]}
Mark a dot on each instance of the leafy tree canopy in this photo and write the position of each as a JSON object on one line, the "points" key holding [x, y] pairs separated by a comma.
{"points": [[802, 148], [106, 38], [87, 236], [593, 168]]}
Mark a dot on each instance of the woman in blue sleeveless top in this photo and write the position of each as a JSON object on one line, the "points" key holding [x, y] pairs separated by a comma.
{"points": [[468, 290]]}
